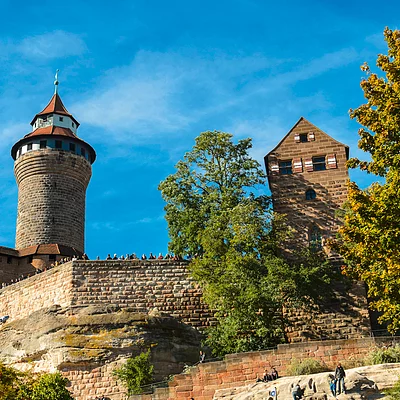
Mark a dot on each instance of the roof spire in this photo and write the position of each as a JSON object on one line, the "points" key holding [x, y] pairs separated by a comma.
{"points": [[56, 82]]}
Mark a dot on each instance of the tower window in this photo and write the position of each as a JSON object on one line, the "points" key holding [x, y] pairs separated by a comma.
{"points": [[9, 260], [285, 167], [315, 238], [29, 146], [61, 119], [20, 152], [43, 144], [73, 125], [58, 144], [303, 137], [83, 152], [72, 147], [44, 119], [52, 257], [310, 194], [319, 163]]}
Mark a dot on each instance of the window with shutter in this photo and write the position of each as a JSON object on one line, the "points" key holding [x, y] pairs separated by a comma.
{"points": [[297, 138], [308, 164], [331, 161], [311, 136], [274, 168], [297, 165]]}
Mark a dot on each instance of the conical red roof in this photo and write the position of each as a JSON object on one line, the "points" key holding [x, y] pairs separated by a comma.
{"points": [[55, 106]]}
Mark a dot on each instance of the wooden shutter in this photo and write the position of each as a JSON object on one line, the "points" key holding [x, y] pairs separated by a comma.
{"points": [[308, 164], [296, 137], [311, 136], [331, 161], [274, 167], [297, 165]]}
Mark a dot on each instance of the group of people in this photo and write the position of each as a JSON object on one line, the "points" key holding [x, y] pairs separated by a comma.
{"points": [[268, 376], [151, 256], [336, 384]]}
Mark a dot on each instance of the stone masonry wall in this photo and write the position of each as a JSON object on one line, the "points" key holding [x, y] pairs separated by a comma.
{"points": [[241, 369], [140, 286], [40, 291], [51, 198]]}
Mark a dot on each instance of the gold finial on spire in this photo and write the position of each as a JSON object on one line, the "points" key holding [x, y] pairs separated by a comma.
{"points": [[56, 82]]}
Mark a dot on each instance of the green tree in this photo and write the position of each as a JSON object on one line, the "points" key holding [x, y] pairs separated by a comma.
{"points": [[136, 372], [214, 214], [50, 387], [370, 237]]}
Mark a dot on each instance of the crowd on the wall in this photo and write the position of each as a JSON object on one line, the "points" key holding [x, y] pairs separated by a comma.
{"points": [[84, 257]]}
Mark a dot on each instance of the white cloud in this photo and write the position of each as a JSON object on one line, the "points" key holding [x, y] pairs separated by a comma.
{"points": [[161, 93], [51, 45]]}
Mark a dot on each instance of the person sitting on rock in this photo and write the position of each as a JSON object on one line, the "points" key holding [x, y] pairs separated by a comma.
{"points": [[273, 374]]}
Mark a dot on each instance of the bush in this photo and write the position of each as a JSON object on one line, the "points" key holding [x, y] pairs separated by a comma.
{"points": [[51, 387], [383, 355], [136, 372], [306, 367]]}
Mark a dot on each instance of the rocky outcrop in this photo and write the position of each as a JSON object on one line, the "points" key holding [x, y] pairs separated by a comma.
{"points": [[361, 383], [94, 338]]}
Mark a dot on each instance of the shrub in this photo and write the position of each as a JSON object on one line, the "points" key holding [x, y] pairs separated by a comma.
{"points": [[306, 367], [384, 355], [51, 387], [136, 372]]}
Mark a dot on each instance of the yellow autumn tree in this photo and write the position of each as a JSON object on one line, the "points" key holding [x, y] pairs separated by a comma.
{"points": [[369, 239]]}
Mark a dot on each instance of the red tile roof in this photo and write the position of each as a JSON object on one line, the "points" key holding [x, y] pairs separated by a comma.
{"points": [[55, 106], [52, 130]]}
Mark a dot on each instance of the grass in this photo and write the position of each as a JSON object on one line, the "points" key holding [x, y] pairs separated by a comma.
{"points": [[306, 367]]}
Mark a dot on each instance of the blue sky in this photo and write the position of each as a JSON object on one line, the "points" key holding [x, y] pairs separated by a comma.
{"points": [[144, 78]]}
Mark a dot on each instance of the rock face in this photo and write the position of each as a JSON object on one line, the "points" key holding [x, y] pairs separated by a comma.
{"points": [[87, 344], [361, 383]]}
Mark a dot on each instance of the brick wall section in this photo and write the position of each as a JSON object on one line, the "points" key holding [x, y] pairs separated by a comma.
{"points": [[51, 198], [242, 368], [138, 285], [141, 286], [40, 291]]}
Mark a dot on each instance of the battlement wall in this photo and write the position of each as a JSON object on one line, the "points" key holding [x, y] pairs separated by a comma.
{"points": [[141, 286]]}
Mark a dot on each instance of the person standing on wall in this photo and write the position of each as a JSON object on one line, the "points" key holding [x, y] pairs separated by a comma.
{"points": [[339, 376]]}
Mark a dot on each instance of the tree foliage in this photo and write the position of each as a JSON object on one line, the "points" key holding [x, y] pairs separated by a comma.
{"points": [[214, 213], [17, 385], [370, 237], [136, 372]]}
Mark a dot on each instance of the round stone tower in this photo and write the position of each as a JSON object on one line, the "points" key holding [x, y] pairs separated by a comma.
{"points": [[52, 168]]}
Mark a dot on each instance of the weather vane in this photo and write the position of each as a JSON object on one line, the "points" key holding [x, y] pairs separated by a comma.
{"points": [[56, 82]]}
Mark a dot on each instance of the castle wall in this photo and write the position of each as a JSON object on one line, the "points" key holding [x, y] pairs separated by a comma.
{"points": [[51, 198], [241, 369], [140, 286], [40, 291]]}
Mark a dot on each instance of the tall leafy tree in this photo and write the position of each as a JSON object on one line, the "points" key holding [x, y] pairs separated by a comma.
{"points": [[214, 214], [370, 237]]}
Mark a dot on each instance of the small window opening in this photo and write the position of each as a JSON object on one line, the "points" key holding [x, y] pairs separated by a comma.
{"points": [[43, 144], [285, 167], [9, 260], [30, 259], [310, 194], [73, 125], [83, 152], [61, 119], [72, 147], [19, 151], [58, 144], [29, 146], [315, 239], [52, 257], [44, 119], [303, 137], [319, 163]]}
